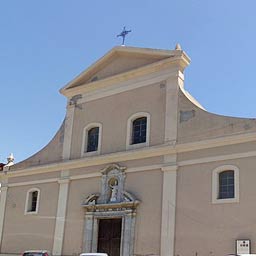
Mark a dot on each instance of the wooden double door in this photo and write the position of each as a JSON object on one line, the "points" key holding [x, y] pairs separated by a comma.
{"points": [[109, 236]]}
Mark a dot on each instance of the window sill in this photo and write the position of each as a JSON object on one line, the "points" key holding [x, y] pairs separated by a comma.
{"points": [[138, 145], [93, 153], [31, 213], [225, 201]]}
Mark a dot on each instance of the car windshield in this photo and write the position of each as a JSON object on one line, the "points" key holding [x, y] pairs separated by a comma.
{"points": [[33, 254]]}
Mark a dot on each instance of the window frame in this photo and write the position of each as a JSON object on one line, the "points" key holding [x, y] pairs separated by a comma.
{"points": [[226, 187], [129, 134], [29, 192], [215, 184], [93, 139], [86, 129]]}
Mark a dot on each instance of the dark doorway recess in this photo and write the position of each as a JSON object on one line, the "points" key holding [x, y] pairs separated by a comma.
{"points": [[109, 237]]}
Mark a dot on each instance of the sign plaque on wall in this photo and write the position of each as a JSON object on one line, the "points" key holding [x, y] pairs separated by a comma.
{"points": [[243, 246]]}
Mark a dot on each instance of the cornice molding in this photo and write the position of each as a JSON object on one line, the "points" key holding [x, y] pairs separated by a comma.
{"points": [[132, 84], [168, 168], [64, 181], [180, 60], [125, 51], [217, 142], [162, 167], [92, 161], [79, 177], [153, 151]]}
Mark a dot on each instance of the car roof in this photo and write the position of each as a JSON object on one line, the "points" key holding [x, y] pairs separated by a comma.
{"points": [[93, 254], [37, 251]]}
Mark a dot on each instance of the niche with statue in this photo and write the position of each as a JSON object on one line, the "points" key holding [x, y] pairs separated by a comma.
{"points": [[112, 188]]}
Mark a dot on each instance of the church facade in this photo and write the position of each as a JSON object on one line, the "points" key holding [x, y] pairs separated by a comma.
{"points": [[138, 167]]}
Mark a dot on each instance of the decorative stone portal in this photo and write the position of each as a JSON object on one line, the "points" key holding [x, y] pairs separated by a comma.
{"points": [[114, 203]]}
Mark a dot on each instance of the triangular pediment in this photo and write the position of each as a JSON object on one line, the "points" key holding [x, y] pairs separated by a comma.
{"points": [[119, 60]]}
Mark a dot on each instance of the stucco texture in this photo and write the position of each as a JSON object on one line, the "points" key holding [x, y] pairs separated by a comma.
{"points": [[116, 61], [145, 186], [51, 153], [211, 229], [73, 235], [35, 177], [123, 64], [119, 108], [31, 231], [196, 124]]}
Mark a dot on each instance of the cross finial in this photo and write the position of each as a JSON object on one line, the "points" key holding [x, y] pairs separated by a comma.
{"points": [[123, 34]]}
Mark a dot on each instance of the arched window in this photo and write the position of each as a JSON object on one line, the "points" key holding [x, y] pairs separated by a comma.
{"points": [[32, 201], [138, 130], [91, 139], [225, 184]]}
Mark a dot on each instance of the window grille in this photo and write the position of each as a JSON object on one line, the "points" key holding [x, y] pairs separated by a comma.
{"points": [[34, 197], [93, 139], [226, 185], [139, 130]]}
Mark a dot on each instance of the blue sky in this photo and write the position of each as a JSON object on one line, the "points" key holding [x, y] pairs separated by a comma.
{"points": [[44, 44]]}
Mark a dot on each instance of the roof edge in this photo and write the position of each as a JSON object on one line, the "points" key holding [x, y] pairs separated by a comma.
{"points": [[124, 49]]}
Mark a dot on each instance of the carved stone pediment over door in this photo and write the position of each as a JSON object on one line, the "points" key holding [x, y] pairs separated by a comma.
{"points": [[112, 203]]}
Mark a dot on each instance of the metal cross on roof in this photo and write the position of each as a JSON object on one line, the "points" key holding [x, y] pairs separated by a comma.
{"points": [[123, 34]]}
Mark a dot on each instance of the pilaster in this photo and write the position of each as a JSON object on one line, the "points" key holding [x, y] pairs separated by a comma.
{"points": [[128, 236], [170, 166], [171, 108], [168, 210], [88, 232], [3, 196], [68, 130], [61, 214]]}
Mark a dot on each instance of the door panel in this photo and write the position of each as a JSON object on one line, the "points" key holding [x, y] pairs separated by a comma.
{"points": [[109, 236]]}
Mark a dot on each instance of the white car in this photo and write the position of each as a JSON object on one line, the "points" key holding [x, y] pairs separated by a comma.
{"points": [[36, 253], [93, 254]]}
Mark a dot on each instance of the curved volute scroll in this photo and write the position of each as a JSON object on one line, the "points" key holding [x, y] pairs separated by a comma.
{"points": [[113, 194], [128, 197], [91, 199]]}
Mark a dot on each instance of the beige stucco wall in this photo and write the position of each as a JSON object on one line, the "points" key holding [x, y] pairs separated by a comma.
{"points": [[220, 151], [123, 64], [78, 191], [145, 186], [51, 153], [113, 112], [146, 162], [35, 177], [23, 232], [116, 63], [196, 124], [211, 229], [142, 162]]}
